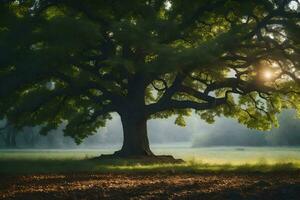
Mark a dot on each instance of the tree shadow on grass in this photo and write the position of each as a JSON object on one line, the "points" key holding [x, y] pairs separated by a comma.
{"points": [[25, 166]]}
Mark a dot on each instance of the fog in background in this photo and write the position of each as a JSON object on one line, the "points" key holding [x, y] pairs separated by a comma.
{"points": [[228, 132], [197, 133]]}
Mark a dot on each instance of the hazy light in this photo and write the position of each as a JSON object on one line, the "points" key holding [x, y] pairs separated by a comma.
{"points": [[168, 5], [293, 5], [267, 74], [50, 85]]}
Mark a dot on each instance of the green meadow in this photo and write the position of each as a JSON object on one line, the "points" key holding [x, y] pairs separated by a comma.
{"points": [[197, 160]]}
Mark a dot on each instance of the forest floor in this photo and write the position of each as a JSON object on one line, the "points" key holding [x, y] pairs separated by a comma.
{"points": [[152, 185], [51, 175]]}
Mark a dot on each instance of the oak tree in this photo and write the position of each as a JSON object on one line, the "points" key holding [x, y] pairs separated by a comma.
{"points": [[78, 61]]}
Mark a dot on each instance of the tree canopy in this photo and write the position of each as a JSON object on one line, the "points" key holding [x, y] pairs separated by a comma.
{"points": [[77, 61]]}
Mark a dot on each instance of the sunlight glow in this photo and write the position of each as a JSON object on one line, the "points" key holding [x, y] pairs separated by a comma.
{"points": [[267, 74], [168, 5], [293, 5]]}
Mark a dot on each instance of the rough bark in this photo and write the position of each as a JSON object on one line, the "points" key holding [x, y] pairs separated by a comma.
{"points": [[135, 141]]}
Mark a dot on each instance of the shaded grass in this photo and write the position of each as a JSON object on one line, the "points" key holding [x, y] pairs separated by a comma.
{"points": [[30, 162], [31, 166]]}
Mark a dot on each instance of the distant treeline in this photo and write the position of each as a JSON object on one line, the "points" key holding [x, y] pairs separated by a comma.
{"points": [[229, 133]]}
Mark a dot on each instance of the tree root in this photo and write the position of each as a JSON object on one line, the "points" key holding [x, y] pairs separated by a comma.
{"points": [[143, 159]]}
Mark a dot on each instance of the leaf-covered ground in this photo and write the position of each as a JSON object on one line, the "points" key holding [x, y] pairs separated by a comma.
{"points": [[219, 185]]}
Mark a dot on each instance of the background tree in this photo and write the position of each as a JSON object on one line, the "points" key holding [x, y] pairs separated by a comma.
{"points": [[8, 134], [77, 61]]}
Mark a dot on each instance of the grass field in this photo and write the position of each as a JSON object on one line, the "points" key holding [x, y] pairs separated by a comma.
{"points": [[208, 173], [261, 159]]}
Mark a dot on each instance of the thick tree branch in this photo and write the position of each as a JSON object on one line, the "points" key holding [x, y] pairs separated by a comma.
{"points": [[174, 104], [197, 94]]}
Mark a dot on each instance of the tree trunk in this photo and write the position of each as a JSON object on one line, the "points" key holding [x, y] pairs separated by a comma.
{"points": [[135, 141], [10, 140]]}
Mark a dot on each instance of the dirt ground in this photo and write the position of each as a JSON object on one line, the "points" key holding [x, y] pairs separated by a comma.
{"points": [[284, 185]]}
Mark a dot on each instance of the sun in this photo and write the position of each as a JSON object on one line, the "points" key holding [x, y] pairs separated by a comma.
{"points": [[267, 74], [266, 71]]}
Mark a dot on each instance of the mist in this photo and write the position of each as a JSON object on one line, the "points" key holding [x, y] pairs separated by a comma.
{"points": [[160, 132], [197, 133], [228, 132]]}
